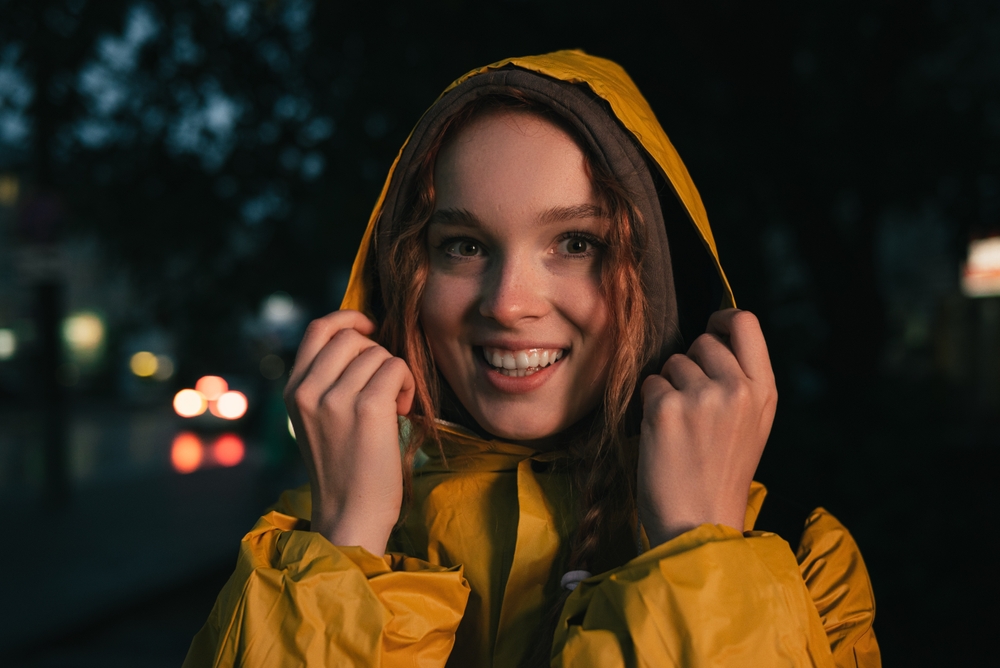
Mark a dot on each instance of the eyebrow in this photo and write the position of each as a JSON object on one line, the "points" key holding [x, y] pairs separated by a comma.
{"points": [[556, 214]]}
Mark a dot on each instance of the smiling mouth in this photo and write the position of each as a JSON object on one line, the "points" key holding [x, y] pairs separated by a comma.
{"points": [[520, 363]]}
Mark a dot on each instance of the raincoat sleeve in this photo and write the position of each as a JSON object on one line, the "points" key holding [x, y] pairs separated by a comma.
{"points": [[714, 596], [295, 599]]}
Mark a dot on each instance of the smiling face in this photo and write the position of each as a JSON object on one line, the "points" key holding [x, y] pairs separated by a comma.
{"points": [[512, 307]]}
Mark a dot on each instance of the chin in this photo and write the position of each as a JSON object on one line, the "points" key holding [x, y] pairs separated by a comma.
{"points": [[519, 428]]}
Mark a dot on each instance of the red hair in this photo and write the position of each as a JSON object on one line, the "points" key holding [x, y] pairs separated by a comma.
{"points": [[605, 454]]}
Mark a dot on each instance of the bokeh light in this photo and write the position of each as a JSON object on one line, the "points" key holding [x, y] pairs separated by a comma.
{"points": [[144, 364], [279, 309], [981, 273], [8, 344], [186, 452], [272, 367], [190, 403], [231, 406], [10, 188], [84, 334], [164, 368], [212, 387], [228, 450]]}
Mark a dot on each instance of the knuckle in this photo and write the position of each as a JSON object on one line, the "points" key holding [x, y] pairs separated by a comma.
{"points": [[367, 405], [378, 351], [394, 364], [674, 361], [661, 407], [302, 397], [344, 336], [702, 340], [315, 327], [333, 398], [745, 319], [741, 391]]}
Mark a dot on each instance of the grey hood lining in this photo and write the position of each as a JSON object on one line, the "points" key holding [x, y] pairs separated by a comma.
{"points": [[609, 143]]}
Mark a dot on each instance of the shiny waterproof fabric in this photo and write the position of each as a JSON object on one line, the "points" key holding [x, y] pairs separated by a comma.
{"points": [[475, 569]]}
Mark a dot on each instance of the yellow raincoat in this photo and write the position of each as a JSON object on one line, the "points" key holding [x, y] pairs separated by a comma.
{"points": [[473, 572]]}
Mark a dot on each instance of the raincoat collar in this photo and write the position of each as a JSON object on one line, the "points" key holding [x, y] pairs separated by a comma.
{"points": [[464, 450]]}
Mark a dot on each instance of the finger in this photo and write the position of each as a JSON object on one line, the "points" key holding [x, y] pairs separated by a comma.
{"points": [[653, 388], [360, 370], [394, 378], [682, 372], [715, 357], [329, 364], [318, 334], [745, 338]]}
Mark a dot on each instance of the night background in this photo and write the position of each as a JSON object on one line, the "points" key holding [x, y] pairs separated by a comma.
{"points": [[183, 185]]}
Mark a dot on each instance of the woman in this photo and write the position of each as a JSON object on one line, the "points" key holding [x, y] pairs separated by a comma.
{"points": [[535, 291]]}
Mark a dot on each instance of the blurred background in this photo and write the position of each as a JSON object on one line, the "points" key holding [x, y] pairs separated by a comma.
{"points": [[183, 186]]}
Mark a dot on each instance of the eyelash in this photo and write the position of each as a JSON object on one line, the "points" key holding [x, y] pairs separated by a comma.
{"points": [[596, 245], [444, 245]]}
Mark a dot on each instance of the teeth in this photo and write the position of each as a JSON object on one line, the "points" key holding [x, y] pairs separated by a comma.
{"points": [[520, 363]]}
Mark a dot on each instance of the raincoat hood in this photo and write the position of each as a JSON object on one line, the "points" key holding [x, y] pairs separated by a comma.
{"points": [[683, 278]]}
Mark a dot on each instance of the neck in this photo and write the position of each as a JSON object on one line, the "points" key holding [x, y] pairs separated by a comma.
{"points": [[453, 411]]}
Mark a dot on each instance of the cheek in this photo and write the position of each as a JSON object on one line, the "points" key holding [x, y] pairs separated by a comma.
{"points": [[583, 304], [442, 310]]}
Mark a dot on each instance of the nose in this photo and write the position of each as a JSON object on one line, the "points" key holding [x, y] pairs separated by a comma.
{"points": [[514, 289]]}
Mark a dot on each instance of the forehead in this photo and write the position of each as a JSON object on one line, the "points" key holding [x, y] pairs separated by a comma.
{"points": [[507, 162]]}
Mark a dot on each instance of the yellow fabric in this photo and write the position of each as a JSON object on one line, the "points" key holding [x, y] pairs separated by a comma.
{"points": [[297, 600], [474, 571]]}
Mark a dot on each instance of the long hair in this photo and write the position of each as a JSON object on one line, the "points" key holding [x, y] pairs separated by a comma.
{"points": [[605, 454]]}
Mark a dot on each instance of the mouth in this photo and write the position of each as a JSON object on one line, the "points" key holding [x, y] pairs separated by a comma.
{"points": [[521, 363]]}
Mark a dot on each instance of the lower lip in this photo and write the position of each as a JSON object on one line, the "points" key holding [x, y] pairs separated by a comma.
{"points": [[518, 384]]}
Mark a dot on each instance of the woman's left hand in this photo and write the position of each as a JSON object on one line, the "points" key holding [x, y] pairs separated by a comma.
{"points": [[706, 418]]}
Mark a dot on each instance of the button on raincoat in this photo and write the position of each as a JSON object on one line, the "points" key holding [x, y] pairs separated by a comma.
{"points": [[473, 572]]}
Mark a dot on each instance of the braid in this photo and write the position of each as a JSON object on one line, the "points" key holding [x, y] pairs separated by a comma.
{"points": [[606, 464]]}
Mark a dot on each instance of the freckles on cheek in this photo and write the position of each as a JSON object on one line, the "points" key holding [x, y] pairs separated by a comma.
{"points": [[442, 310], [587, 306]]}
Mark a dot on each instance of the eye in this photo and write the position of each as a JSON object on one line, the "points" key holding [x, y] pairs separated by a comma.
{"points": [[463, 248], [575, 244]]}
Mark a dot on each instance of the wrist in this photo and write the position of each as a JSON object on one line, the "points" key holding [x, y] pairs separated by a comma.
{"points": [[662, 527], [355, 529]]}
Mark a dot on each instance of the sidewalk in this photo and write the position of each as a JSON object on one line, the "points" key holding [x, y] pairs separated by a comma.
{"points": [[134, 527]]}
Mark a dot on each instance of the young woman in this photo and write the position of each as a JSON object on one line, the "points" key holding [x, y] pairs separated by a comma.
{"points": [[536, 293]]}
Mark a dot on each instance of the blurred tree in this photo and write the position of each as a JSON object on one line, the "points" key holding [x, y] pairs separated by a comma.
{"points": [[228, 148]]}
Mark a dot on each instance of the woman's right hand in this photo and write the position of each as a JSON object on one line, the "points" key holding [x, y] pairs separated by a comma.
{"points": [[343, 397]]}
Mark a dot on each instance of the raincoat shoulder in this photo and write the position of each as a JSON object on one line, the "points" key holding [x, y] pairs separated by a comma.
{"points": [[297, 600]]}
